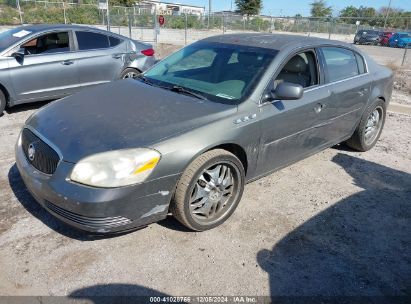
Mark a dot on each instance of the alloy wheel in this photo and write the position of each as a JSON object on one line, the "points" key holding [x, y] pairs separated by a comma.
{"points": [[214, 192], [133, 75], [373, 126]]}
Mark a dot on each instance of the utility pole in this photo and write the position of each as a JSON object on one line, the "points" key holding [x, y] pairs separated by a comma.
{"points": [[388, 12]]}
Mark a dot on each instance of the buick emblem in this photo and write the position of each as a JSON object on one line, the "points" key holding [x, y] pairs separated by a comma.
{"points": [[31, 152]]}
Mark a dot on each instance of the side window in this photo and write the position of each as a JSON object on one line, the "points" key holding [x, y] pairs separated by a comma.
{"points": [[361, 64], [114, 41], [340, 63], [91, 41], [48, 43], [300, 69]]}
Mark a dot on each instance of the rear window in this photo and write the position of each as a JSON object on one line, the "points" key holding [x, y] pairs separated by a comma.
{"points": [[91, 41], [114, 41], [340, 63]]}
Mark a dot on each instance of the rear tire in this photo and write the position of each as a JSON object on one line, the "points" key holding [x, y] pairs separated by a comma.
{"points": [[370, 127], [209, 190], [130, 73], [3, 102]]}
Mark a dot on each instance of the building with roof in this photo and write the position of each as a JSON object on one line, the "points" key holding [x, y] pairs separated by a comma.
{"points": [[168, 8]]}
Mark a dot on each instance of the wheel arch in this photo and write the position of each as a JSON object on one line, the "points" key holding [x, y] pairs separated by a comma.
{"points": [[5, 92], [235, 149]]}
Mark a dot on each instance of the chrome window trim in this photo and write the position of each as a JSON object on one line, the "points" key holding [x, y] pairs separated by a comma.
{"points": [[338, 81]]}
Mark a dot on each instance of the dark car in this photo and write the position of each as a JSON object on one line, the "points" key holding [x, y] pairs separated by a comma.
{"points": [[196, 127], [367, 37], [41, 62], [385, 37]]}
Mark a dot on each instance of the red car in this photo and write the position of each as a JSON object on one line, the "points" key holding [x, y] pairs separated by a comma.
{"points": [[384, 37]]}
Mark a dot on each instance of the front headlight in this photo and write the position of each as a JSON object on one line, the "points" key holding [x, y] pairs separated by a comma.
{"points": [[116, 168]]}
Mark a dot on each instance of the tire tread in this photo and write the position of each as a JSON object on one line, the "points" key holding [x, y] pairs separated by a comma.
{"points": [[178, 202]]}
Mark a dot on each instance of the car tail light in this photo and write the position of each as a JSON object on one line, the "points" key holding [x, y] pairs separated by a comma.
{"points": [[148, 52]]}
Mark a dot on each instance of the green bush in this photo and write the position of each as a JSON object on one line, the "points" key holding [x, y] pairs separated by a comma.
{"points": [[9, 15]]}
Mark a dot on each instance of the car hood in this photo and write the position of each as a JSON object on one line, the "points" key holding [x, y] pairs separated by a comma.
{"points": [[120, 115]]}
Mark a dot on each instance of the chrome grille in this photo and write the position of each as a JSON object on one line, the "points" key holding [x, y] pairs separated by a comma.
{"points": [[40, 155]]}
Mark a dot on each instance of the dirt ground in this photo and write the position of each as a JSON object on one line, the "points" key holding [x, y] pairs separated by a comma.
{"points": [[337, 223]]}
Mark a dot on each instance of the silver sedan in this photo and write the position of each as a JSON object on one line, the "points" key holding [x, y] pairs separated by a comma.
{"points": [[41, 62]]}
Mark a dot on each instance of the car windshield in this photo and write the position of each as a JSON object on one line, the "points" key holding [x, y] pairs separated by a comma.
{"points": [[369, 33], [10, 37], [219, 72], [404, 35]]}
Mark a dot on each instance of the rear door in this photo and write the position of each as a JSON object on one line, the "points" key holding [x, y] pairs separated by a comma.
{"points": [[349, 83], [48, 68], [101, 58]]}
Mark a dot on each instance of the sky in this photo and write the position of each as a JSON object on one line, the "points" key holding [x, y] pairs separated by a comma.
{"points": [[275, 7]]}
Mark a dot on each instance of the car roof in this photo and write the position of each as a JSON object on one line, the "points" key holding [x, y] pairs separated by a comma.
{"points": [[45, 27], [274, 41]]}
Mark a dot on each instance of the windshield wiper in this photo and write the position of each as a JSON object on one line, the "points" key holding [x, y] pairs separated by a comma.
{"points": [[144, 79], [179, 89]]}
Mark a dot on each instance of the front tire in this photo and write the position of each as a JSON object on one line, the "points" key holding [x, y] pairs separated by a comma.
{"points": [[3, 102], [130, 73], [370, 127], [209, 190]]}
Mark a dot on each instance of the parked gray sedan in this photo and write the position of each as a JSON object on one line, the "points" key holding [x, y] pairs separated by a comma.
{"points": [[196, 127], [41, 62]]}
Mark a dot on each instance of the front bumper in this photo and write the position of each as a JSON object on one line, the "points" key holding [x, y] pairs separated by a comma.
{"points": [[97, 210]]}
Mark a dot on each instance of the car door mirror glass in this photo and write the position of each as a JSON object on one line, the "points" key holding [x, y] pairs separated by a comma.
{"points": [[288, 91]]}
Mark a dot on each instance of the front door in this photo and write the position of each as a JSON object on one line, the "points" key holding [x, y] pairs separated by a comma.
{"points": [[47, 70], [293, 129]]}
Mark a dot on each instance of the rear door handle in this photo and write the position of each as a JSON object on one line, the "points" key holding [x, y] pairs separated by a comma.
{"points": [[67, 62], [362, 91], [117, 56], [318, 107]]}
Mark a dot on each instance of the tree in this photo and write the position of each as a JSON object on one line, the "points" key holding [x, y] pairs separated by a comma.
{"points": [[249, 7], [349, 12], [319, 8]]}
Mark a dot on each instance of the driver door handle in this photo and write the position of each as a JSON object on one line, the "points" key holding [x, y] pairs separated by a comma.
{"points": [[67, 62]]}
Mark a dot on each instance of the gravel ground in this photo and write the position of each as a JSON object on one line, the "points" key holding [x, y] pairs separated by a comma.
{"points": [[337, 223]]}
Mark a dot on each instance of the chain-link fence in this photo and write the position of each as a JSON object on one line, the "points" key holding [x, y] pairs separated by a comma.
{"points": [[176, 29]]}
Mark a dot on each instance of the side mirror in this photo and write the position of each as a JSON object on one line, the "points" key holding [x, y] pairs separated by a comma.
{"points": [[19, 54], [288, 91]]}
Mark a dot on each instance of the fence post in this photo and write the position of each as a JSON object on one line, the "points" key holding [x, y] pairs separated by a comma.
{"points": [[405, 55], [309, 27], [330, 29], [108, 17], [185, 30], [155, 27], [223, 23], [129, 24], [64, 13], [20, 14]]}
